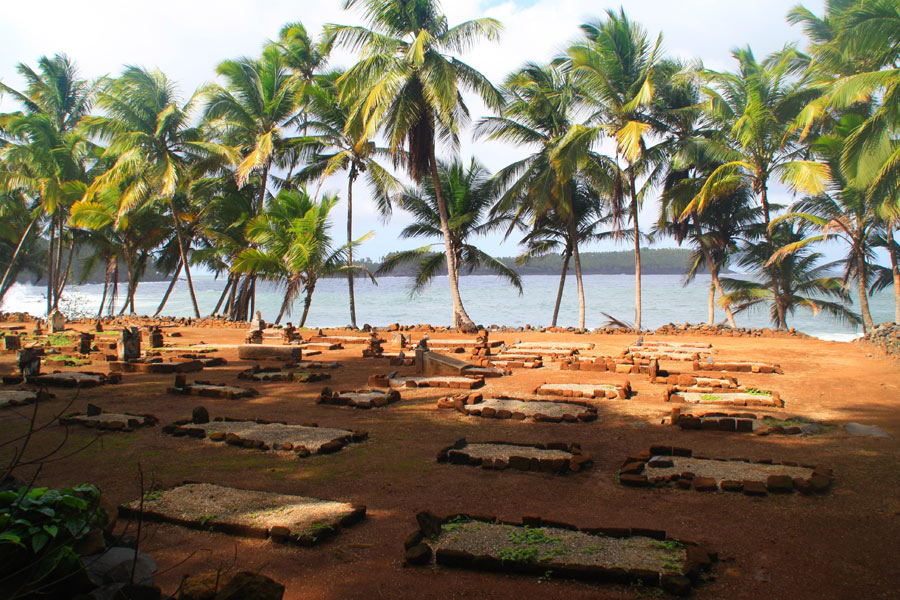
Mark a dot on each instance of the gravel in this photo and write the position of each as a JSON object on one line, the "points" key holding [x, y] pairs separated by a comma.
{"points": [[506, 450], [276, 433], [213, 503], [549, 544], [726, 470], [530, 407]]}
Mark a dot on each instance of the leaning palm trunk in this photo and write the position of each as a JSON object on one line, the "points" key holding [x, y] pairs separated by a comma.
{"points": [[862, 272], [461, 319], [307, 300], [183, 253], [64, 280], [562, 283], [352, 176], [165, 298], [50, 277], [711, 317], [7, 279], [717, 283], [228, 286]]}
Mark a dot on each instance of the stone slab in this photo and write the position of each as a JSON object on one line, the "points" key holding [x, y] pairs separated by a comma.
{"points": [[269, 352]]}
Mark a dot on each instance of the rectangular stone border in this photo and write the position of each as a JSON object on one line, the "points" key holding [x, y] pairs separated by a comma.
{"points": [[336, 398], [282, 374], [507, 365], [671, 395], [269, 352], [39, 395], [275, 533], [460, 401], [738, 367], [622, 392], [158, 368], [419, 553], [77, 419], [631, 474], [182, 428], [455, 454], [730, 422], [477, 381], [188, 389], [42, 380]]}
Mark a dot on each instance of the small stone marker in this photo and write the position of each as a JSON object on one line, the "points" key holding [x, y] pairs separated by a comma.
{"points": [[398, 340], [57, 322], [29, 361], [156, 338], [129, 346], [11, 342], [37, 328], [257, 324], [85, 340]]}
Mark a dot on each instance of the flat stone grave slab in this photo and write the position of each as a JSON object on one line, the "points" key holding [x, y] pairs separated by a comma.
{"points": [[465, 383], [452, 344], [586, 390], [726, 398], [394, 358], [359, 398], [277, 374], [535, 546], [642, 352], [302, 440], [20, 397], [738, 367], [340, 339], [213, 390], [547, 411], [744, 422], [269, 352], [487, 371], [110, 421], [524, 362], [72, 379], [157, 366], [251, 513], [321, 346], [546, 458], [685, 381], [663, 466], [553, 346], [551, 353], [699, 346]]}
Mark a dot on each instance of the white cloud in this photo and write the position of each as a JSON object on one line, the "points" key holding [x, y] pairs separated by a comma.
{"points": [[187, 38]]}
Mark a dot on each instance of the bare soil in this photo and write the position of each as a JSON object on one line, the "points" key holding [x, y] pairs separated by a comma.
{"points": [[839, 545]]}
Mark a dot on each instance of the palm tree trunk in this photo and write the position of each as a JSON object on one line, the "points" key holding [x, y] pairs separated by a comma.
{"points": [[637, 255], [252, 310], [183, 253], [307, 300], [349, 245], [714, 278], [57, 268], [224, 293], [131, 269], [573, 235], [5, 284], [172, 283], [115, 288], [65, 278], [895, 269], [862, 272], [776, 288], [562, 283], [461, 319], [50, 276], [105, 290]]}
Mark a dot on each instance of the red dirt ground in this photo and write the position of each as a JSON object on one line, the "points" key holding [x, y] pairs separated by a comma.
{"points": [[840, 545]]}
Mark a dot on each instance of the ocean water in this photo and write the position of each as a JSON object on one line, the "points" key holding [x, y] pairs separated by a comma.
{"points": [[487, 299]]}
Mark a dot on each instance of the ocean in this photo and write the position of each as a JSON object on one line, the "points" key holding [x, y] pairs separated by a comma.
{"points": [[488, 300]]}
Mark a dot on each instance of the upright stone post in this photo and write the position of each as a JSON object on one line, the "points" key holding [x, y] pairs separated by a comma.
{"points": [[57, 322], [129, 346]]}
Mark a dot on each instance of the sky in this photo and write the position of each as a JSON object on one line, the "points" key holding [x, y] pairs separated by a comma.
{"points": [[186, 39]]}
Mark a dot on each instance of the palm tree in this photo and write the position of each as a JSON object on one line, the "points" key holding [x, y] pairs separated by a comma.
{"points": [[338, 147], [18, 238], [550, 232], [614, 65], [153, 145], [293, 247], [756, 109], [472, 195], [842, 212], [409, 86], [540, 107], [800, 281], [44, 153]]}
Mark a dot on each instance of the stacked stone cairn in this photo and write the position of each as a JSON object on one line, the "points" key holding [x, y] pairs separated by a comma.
{"points": [[481, 352], [257, 325], [374, 350]]}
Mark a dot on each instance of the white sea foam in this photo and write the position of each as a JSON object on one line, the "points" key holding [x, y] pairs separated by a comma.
{"points": [[838, 337]]}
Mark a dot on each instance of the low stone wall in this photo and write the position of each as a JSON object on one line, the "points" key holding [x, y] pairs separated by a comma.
{"points": [[456, 454], [677, 581], [634, 472], [884, 337], [364, 399]]}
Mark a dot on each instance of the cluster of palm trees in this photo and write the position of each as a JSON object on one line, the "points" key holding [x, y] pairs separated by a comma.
{"points": [[231, 178]]}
